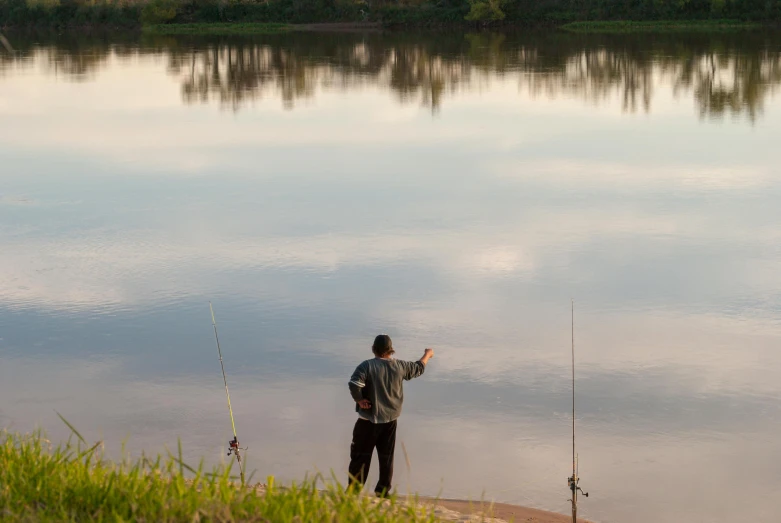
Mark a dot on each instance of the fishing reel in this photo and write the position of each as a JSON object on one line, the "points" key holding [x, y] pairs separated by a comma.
{"points": [[233, 446], [572, 481]]}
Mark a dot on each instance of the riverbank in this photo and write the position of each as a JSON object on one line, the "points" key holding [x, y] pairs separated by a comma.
{"points": [[499, 512], [615, 27], [659, 26], [626, 15], [217, 29], [228, 29], [73, 481]]}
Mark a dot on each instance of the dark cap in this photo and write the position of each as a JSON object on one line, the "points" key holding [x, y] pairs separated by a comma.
{"points": [[382, 345]]}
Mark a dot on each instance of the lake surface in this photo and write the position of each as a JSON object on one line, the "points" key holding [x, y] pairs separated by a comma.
{"points": [[451, 190]]}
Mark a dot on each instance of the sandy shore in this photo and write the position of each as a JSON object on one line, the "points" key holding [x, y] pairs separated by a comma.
{"points": [[500, 512], [462, 511]]}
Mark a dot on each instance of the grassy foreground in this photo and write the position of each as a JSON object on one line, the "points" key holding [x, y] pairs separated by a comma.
{"points": [[658, 26], [221, 29], [72, 482]]}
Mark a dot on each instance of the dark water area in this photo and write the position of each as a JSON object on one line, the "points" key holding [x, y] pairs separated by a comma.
{"points": [[452, 190]]}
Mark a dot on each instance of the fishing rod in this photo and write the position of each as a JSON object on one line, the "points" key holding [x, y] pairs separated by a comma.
{"points": [[573, 480], [233, 445]]}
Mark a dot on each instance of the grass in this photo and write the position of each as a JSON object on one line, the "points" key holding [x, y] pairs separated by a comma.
{"points": [[659, 26], [221, 29], [73, 482]]}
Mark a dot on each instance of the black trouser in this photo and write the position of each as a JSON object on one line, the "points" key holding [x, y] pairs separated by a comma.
{"points": [[366, 436]]}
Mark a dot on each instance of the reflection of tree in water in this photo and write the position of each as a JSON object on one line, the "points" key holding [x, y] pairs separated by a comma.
{"points": [[238, 74], [725, 73], [9, 58], [73, 56], [725, 82], [598, 75]]}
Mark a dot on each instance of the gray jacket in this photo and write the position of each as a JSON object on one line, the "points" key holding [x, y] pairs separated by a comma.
{"points": [[380, 381]]}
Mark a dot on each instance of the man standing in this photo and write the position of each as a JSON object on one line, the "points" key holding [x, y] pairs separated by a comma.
{"points": [[376, 387]]}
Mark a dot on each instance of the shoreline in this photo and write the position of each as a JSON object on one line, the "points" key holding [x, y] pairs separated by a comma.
{"points": [[257, 28], [616, 27], [75, 481], [659, 26], [249, 27], [504, 512]]}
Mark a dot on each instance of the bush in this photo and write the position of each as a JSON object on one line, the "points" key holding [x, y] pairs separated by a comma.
{"points": [[485, 11], [159, 11]]}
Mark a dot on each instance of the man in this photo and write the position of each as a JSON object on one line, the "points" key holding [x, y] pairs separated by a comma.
{"points": [[376, 387]]}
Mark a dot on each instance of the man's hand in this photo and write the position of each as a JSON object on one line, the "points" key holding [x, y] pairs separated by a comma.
{"points": [[427, 355], [365, 404]]}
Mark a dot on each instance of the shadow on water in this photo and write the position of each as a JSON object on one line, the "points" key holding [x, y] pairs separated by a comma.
{"points": [[726, 74]]}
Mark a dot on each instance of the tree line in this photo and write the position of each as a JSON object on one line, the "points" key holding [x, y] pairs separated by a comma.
{"points": [[133, 13]]}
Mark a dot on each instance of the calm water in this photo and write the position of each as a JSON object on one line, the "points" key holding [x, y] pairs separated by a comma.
{"points": [[452, 190]]}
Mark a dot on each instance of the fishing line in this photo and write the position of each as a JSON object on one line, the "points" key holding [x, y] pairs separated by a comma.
{"points": [[233, 445]]}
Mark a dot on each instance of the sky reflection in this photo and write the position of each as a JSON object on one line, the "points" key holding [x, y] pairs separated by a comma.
{"points": [[124, 211]]}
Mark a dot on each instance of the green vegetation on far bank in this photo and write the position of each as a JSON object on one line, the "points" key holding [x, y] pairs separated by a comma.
{"points": [[657, 26], [72, 482], [222, 29], [427, 13]]}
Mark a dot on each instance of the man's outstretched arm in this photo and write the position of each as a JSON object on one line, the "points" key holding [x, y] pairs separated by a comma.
{"points": [[413, 369]]}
